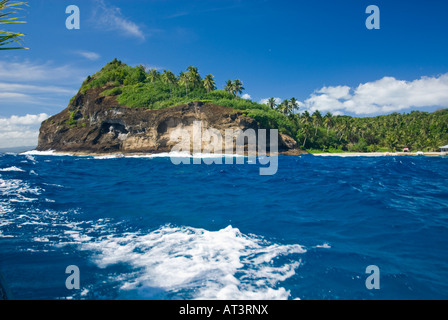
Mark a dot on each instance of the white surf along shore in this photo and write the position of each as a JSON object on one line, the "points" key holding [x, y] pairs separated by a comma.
{"points": [[381, 154], [201, 155], [129, 155]]}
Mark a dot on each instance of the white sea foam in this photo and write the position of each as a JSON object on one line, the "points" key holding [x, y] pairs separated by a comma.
{"points": [[46, 224], [110, 156], [141, 156], [3, 223], [45, 153], [174, 154], [5, 236], [224, 264], [30, 158], [18, 190], [12, 169], [215, 155], [324, 246], [41, 239], [164, 155], [15, 186]]}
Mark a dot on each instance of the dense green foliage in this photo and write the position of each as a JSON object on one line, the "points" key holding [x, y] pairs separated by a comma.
{"points": [[140, 88], [418, 131]]}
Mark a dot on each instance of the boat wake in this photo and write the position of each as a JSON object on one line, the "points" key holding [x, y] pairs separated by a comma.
{"points": [[192, 263]]}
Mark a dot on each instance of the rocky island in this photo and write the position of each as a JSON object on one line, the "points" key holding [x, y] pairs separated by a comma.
{"points": [[100, 119]]}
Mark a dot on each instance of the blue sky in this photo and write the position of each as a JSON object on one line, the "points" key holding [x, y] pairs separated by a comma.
{"points": [[319, 52]]}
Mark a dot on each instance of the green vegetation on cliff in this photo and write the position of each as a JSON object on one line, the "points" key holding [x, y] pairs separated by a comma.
{"points": [[137, 87]]}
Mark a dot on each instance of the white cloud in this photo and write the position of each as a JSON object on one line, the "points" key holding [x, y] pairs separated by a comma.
{"points": [[382, 96], [13, 99], [26, 70], [13, 96], [110, 18], [29, 119], [323, 101], [17, 131], [88, 55], [246, 96], [265, 101], [339, 92], [26, 84], [14, 87]]}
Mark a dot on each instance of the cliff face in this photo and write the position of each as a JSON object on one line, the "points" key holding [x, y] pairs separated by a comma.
{"points": [[96, 124]]}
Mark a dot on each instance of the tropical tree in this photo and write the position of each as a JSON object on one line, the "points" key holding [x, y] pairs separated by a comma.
{"points": [[169, 78], [229, 86], [294, 104], [209, 83], [317, 120], [237, 87], [271, 103], [184, 80], [284, 107], [305, 131], [343, 128], [328, 121], [7, 37], [193, 76], [305, 119], [153, 75]]}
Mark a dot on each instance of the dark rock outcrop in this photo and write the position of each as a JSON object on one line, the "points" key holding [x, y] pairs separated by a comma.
{"points": [[94, 124]]}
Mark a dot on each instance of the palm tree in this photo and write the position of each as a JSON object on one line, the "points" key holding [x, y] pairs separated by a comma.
{"points": [[305, 131], [289, 106], [271, 103], [317, 120], [153, 75], [7, 37], [237, 87], [305, 119], [229, 86], [169, 78], [184, 79], [294, 104], [284, 107], [209, 83], [193, 75], [328, 121]]}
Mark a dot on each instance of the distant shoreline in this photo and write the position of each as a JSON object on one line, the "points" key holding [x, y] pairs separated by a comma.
{"points": [[380, 154], [164, 154]]}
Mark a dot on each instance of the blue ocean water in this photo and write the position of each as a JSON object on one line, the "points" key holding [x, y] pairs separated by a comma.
{"points": [[143, 228]]}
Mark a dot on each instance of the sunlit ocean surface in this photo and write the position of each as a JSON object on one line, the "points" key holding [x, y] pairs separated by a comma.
{"points": [[144, 228]]}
